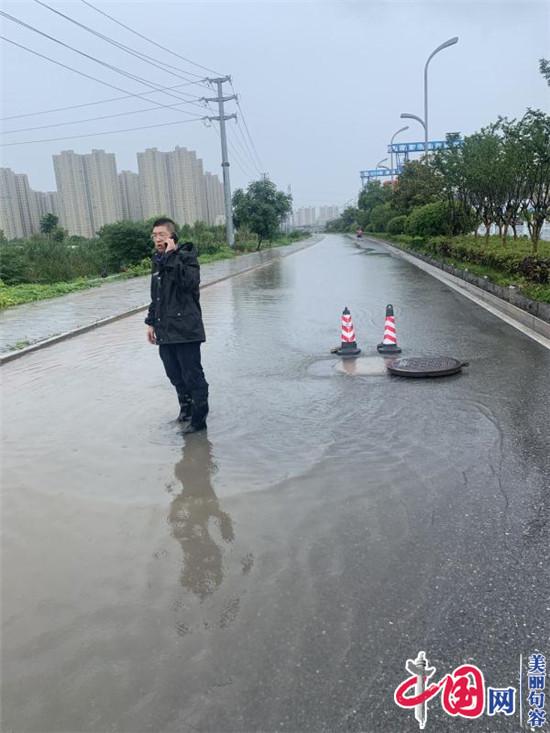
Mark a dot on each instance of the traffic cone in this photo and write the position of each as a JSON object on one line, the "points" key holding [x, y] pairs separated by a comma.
{"points": [[389, 341], [348, 346]]}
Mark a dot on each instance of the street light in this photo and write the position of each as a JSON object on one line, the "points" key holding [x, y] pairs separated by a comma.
{"points": [[424, 122], [379, 165], [407, 116], [402, 129], [450, 42]]}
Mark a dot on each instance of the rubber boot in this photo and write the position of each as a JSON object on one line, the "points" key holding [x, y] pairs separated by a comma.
{"points": [[186, 408], [199, 412]]}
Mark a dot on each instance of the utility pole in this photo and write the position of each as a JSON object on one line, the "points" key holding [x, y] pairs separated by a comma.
{"points": [[220, 99]]}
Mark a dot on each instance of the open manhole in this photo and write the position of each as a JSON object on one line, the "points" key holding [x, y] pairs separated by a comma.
{"points": [[363, 366], [425, 366]]}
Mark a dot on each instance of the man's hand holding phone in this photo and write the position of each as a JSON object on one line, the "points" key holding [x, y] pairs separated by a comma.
{"points": [[171, 245]]}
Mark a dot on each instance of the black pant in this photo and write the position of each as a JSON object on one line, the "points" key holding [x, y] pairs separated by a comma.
{"points": [[182, 363]]}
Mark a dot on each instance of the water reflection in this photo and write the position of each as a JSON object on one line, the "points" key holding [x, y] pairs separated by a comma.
{"points": [[196, 517]]}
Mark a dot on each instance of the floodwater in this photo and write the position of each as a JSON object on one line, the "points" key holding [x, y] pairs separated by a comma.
{"points": [[274, 573], [32, 322]]}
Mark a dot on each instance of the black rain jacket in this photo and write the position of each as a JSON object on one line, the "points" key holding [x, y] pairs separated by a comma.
{"points": [[175, 311]]}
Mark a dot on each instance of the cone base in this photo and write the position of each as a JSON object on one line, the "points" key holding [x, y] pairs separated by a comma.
{"points": [[388, 349], [348, 351]]}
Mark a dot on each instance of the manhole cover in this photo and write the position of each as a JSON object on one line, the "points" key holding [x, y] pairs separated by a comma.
{"points": [[425, 366]]}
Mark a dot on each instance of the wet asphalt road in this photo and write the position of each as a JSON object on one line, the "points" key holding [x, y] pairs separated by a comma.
{"points": [[40, 320], [275, 573]]}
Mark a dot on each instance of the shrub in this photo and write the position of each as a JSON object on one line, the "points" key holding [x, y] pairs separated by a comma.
{"points": [[535, 270], [380, 215], [12, 263], [126, 243], [428, 220], [397, 224]]}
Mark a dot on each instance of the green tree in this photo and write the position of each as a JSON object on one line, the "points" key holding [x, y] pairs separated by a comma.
{"points": [[449, 163], [544, 66], [261, 208], [58, 234], [419, 183], [373, 194], [125, 243], [380, 216], [48, 223], [484, 175], [534, 138], [347, 221]]}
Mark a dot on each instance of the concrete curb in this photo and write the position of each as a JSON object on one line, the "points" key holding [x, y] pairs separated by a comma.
{"points": [[12, 355], [528, 324]]}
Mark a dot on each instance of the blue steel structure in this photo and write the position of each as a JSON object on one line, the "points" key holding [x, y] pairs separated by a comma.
{"points": [[419, 147], [378, 173], [403, 149]]}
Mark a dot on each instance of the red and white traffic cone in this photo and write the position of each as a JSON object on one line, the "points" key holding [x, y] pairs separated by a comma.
{"points": [[389, 341], [348, 344]]}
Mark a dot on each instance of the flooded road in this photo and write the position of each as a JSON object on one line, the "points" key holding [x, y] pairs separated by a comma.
{"points": [[275, 573], [38, 321]]}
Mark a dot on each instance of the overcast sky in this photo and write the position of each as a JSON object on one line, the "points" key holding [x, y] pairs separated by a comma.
{"points": [[321, 84]]}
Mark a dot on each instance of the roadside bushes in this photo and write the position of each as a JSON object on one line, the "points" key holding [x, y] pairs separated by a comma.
{"points": [[397, 224], [489, 254], [40, 260], [534, 269], [125, 243], [380, 215], [428, 220]]}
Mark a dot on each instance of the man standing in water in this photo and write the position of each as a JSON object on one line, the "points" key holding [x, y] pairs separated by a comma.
{"points": [[174, 321]]}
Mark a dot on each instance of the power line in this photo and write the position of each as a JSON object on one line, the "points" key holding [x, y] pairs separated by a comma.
{"points": [[127, 49], [90, 104], [93, 134], [247, 130], [88, 76], [246, 147], [248, 134], [92, 119], [122, 72], [149, 40]]}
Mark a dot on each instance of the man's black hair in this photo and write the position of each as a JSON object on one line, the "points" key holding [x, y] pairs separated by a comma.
{"points": [[166, 222]]}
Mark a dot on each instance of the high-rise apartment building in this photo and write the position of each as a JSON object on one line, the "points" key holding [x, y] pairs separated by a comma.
{"points": [[154, 185], [130, 195], [174, 183], [48, 203], [307, 215], [327, 213], [19, 212], [215, 205], [89, 191], [185, 183]]}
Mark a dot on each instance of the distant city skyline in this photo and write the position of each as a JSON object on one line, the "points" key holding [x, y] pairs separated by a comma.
{"points": [[91, 192]]}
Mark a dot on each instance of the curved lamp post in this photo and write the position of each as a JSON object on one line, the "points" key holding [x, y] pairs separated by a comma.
{"points": [[450, 42], [424, 122]]}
